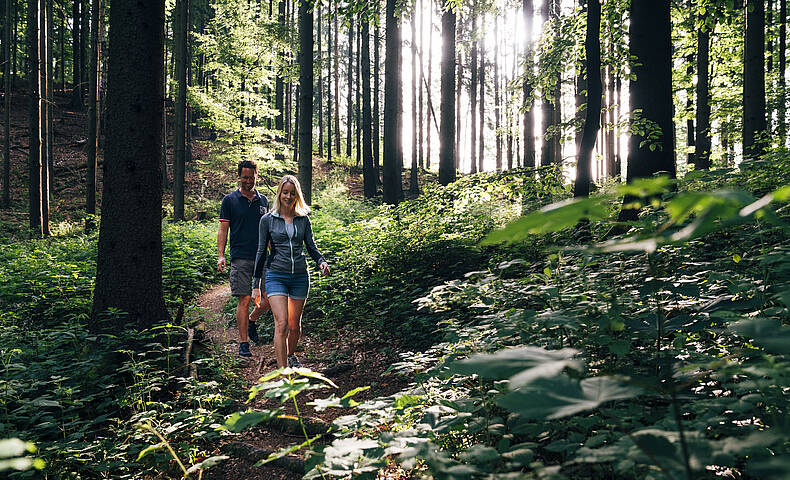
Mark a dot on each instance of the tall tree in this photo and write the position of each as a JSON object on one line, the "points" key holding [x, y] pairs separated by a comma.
{"points": [[782, 107], [702, 133], [76, 48], [93, 117], [34, 115], [129, 253], [754, 122], [320, 89], [592, 49], [550, 103], [393, 108], [279, 86], [482, 75], [368, 173], [329, 84], [376, 109], [180, 51], [337, 84], [528, 11], [9, 25], [306, 99], [651, 93], [497, 99], [350, 85], [428, 87], [413, 187], [447, 134], [473, 93], [421, 100]]}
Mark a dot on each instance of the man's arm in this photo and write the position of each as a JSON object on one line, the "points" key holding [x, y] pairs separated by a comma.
{"points": [[222, 240]]}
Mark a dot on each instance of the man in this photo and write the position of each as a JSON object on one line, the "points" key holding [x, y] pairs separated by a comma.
{"points": [[240, 213]]}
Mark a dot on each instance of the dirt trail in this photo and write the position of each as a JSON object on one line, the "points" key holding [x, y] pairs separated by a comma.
{"points": [[363, 365]]}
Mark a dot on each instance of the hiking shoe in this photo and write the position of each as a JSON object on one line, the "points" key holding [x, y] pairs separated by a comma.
{"points": [[244, 349], [252, 332], [293, 362]]}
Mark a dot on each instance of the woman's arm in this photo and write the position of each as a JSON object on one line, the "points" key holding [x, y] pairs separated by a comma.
{"points": [[260, 257]]}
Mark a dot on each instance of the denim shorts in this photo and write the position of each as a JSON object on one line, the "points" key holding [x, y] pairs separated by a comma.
{"points": [[291, 285]]}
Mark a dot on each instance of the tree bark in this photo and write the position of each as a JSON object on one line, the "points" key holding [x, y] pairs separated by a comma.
{"points": [[180, 32], [329, 84], [497, 99], [393, 109], [129, 253], [337, 86], [428, 87], [305, 173], [368, 173], [528, 121], [46, 115], [9, 25], [651, 92], [376, 108], [34, 116], [279, 88], [473, 96], [482, 76], [592, 47], [458, 85], [420, 101], [93, 118], [447, 133], [782, 107], [350, 95], [703, 142], [754, 122], [413, 187], [320, 89]]}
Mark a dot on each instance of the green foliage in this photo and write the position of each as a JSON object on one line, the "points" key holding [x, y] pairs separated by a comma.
{"points": [[660, 354]]}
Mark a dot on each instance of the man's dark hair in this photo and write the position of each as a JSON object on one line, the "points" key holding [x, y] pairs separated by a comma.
{"points": [[247, 164]]}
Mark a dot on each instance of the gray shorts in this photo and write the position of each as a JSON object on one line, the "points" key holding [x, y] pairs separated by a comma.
{"points": [[241, 270]]}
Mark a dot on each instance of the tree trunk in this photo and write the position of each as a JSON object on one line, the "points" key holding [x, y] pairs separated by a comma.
{"points": [[76, 48], [368, 173], [413, 187], [329, 84], [279, 88], [497, 99], [376, 109], [9, 25], [458, 85], [180, 32], [420, 101], [358, 102], [428, 87], [46, 115], [320, 89], [349, 96], [782, 107], [447, 132], [528, 121], [306, 99], [93, 118], [651, 92], [482, 76], [754, 122], [34, 91], [690, 137], [473, 97], [129, 252], [393, 109], [337, 86], [703, 142], [592, 47]]}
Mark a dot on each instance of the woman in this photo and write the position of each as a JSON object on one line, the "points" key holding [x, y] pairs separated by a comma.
{"points": [[287, 227]]}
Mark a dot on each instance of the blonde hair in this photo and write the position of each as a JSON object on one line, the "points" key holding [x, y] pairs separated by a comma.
{"points": [[300, 208]]}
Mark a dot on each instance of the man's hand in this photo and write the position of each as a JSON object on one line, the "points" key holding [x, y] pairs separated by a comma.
{"points": [[221, 264], [324, 268]]}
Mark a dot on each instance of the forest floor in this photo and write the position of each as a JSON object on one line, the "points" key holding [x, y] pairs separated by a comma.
{"points": [[363, 364]]}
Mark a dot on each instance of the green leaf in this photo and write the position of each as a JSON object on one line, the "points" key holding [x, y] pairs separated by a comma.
{"points": [[207, 463], [646, 187], [241, 420], [520, 365], [764, 332], [552, 218], [149, 449], [549, 398]]}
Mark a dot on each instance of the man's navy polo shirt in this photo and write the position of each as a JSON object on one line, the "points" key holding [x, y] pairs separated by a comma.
{"points": [[243, 216]]}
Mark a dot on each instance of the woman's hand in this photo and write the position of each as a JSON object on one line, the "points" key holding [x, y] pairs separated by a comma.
{"points": [[324, 268], [256, 296]]}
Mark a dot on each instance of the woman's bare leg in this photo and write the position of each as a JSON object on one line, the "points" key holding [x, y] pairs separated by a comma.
{"points": [[295, 309], [279, 304]]}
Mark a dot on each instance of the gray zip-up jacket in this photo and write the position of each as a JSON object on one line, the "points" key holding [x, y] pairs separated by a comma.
{"points": [[286, 254]]}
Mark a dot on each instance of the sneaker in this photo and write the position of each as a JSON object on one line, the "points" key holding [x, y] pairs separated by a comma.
{"points": [[252, 332], [244, 349], [293, 362]]}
